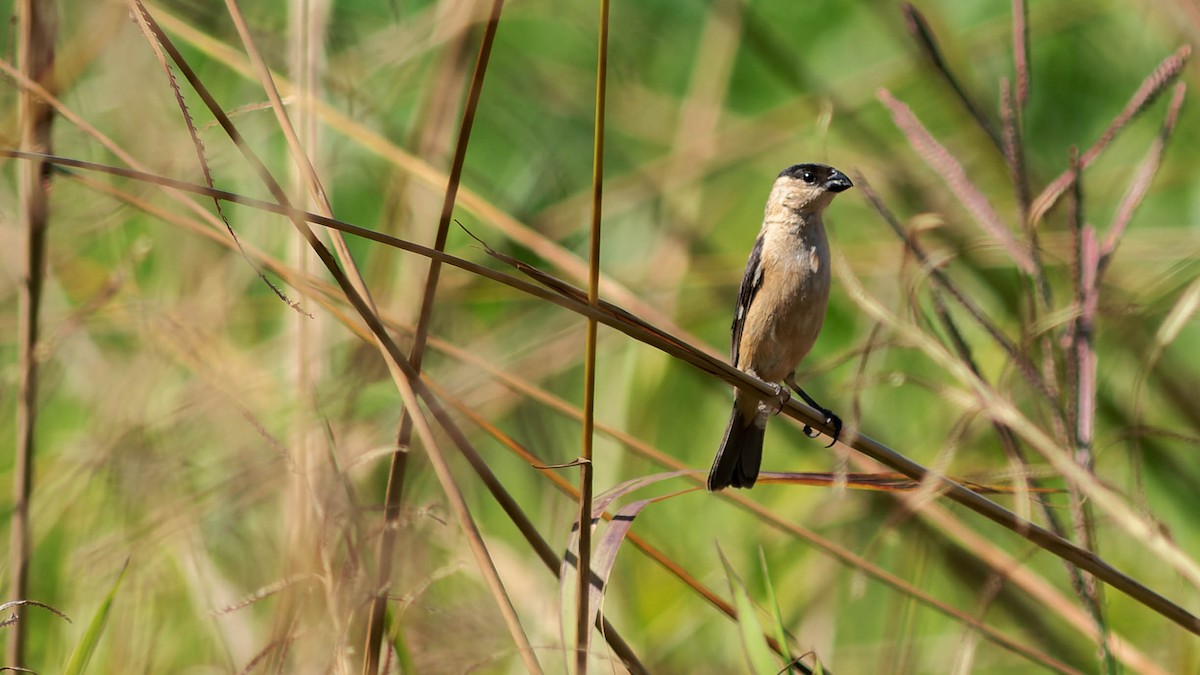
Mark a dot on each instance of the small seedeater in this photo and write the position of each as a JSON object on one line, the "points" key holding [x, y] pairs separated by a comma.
{"points": [[780, 309]]}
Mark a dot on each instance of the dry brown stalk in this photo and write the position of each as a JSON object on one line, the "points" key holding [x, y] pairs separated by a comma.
{"points": [[36, 32]]}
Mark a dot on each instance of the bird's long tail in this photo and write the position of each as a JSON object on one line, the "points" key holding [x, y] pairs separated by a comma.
{"points": [[740, 455]]}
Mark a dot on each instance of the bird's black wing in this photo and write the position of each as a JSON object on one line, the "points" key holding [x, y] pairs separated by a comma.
{"points": [[751, 282]]}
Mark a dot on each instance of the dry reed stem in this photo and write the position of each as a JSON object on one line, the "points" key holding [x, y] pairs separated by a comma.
{"points": [[583, 622], [308, 23], [1040, 299], [1087, 259], [37, 30], [1039, 295]]}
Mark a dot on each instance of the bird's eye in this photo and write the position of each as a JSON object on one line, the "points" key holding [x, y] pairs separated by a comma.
{"points": [[808, 177]]}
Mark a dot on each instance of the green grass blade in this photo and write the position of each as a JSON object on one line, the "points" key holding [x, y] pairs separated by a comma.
{"points": [[91, 637], [759, 658], [773, 605]]}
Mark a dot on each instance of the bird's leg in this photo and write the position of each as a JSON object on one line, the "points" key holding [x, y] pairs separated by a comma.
{"points": [[830, 419]]}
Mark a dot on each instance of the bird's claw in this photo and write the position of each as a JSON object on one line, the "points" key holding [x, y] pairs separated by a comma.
{"points": [[835, 422], [780, 399], [831, 420]]}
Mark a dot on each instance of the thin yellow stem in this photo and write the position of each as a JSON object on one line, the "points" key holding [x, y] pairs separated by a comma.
{"points": [[583, 627]]}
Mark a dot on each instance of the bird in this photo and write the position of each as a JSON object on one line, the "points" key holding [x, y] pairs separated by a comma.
{"points": [[780, 309]]}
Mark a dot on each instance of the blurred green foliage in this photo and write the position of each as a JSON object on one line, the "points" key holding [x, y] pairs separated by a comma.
{"points": [[172, 425]]}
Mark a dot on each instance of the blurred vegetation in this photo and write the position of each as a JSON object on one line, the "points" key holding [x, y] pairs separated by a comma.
{"points": [[182, 428]]}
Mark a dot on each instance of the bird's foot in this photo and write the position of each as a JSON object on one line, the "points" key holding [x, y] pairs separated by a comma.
{"points": [[830, 419], [775, 402]]}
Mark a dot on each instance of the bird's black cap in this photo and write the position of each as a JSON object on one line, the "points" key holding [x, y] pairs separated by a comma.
{"points": [[819, 174]]}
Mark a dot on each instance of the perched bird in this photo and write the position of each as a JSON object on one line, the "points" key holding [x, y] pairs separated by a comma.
{"points": [[780, 309]]}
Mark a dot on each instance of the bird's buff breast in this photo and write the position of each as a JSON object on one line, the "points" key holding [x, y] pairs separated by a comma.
{"points": [[785, 323]]}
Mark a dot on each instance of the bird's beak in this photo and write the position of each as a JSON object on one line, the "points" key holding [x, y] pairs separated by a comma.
{"points": [[838, 182]]}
